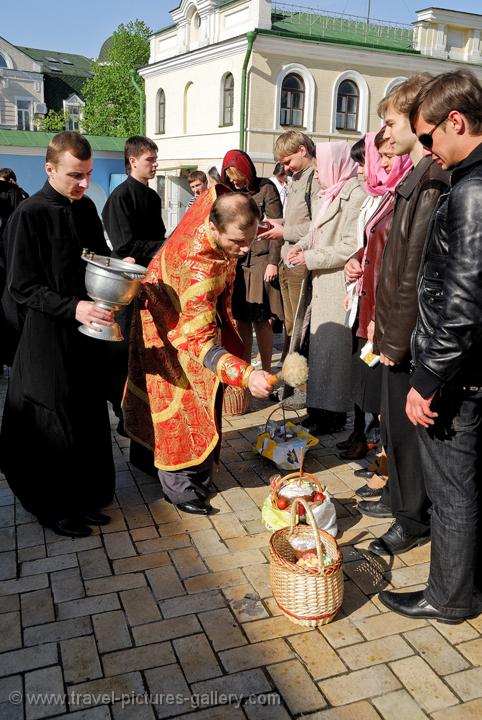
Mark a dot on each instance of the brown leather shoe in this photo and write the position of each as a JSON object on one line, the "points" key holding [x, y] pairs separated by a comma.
{"points": [[356, 451]]}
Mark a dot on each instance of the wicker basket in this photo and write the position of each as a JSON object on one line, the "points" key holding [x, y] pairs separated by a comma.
{"points": [[235, 400], [277, 482], [309, 597]]}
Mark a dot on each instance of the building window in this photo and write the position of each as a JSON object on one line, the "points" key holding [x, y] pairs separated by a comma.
{"points": [[161, 112], [23, 114], [347, 102], [228, 99], [73, 120], [292, 101]]}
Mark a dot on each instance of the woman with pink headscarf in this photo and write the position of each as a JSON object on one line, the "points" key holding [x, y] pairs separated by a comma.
{"points": [[325, 250]]}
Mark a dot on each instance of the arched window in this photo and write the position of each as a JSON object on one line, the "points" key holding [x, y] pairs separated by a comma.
{"points": [[228, 99], [347, 103], [187, 120], [292, 101], [161, 112], [3, 61]]}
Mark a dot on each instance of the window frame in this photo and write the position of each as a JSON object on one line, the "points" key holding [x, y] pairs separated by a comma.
{"points": [[290, 108], [345, 113], [227, 93], [160, 126]]}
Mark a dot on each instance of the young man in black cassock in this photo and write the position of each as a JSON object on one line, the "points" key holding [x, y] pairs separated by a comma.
{"points": [[133, 221], [55, 445]]}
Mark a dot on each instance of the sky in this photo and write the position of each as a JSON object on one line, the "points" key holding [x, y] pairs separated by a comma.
{"points": [[81, 28]]}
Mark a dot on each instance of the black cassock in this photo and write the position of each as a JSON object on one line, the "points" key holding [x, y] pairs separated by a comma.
{"points": [[133, 221], [55, 444]]}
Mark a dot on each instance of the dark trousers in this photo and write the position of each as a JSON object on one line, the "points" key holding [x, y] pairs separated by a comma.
{"points": [[366, 426], [405, 491], [451, 454], [188, 484]]}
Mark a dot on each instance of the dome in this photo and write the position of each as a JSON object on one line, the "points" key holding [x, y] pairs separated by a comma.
{"points": [[105, 49]]}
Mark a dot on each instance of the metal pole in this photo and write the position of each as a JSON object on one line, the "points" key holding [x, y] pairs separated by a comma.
{"points": [[132, 74]]}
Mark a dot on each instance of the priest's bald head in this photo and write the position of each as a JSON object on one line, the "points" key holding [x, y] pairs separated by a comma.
{"points": [[233, 222], [69, 164]]}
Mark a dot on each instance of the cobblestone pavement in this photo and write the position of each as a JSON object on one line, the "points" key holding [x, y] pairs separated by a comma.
{"points": [[164, 614]]}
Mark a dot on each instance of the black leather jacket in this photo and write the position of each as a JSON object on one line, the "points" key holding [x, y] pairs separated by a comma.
{"points": [[447, 340]]}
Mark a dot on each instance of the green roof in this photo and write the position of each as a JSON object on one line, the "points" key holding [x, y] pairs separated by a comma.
{"points": [[28, 139], [51, 61], [309, 23]]}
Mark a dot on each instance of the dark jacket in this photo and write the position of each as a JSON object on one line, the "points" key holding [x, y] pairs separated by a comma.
{"points": [[447, 342], [396, 301]]}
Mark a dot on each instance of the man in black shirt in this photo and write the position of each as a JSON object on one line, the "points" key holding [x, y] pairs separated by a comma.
{"points": [[55, 444], [132, 214]]}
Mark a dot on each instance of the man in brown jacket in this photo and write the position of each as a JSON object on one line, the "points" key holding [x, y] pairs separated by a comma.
{"points": [[404, 497]]}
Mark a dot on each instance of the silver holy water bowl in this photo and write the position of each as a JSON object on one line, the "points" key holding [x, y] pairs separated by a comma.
{"points": [[112, 284]]}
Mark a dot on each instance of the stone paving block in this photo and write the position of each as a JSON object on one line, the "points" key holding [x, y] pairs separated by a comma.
{"points": [[398, 705], [53, 632], [366, 574], [213, 581], [31, 553], [387, 624], [228, 526], [25, 584], [240, 685], [101, 712], [7, 516], [119, 545], [30, 534], [223, 712], [272, 628], [375, 652], [249, 542], [196, 657], [169, 683], [129, 497], [165, 582], [27, 659], [10, 631], [94, 563], [48, 565], [268, 707], [359, 685], [472, 651], [320, 659], [138, 658], [166, 630], [258, 576], [8, 565], [297, 688], [73, 545], [209, 543], [175, 607], [37, 607], [98, 692], [137, 515], [115, 583], [356, 711], [251, 656], [111, 631], [146, 533], [341, 632], [67, 585], [436, 651], [236, 559], [245, 603], [9, 603], [117, 522], [133, 711], [7, 539], [222, 629], [455, 634], [411, 575], [467, 684], [468, 711], [140, 606], [87, 606], [47, 682], [80, 660], [422, 683], [188, 562], [163, 512], [157, 544], [8, 685], [140, 563]]}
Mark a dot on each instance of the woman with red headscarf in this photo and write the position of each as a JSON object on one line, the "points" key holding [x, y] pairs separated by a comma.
{"points": [[331, 241], [256, 297]]}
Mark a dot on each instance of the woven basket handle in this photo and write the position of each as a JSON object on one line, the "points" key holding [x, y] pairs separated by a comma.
{"points": [[279, 482], [281, 407], [319, 551]]}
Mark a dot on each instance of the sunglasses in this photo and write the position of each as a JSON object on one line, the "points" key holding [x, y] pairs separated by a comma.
{"points": [[426, 139]]}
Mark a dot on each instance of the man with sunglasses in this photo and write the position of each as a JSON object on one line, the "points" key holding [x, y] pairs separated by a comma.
{"points": [[404, 497], [445, 402]]}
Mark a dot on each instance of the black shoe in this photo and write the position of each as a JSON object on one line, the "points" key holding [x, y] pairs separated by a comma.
{"points": [[356, 451], [414, 605], [195, 507], [364, 473], [396, 541], [69, 527], [93, 517], [367, 492], [345, 444], [376, 509]]}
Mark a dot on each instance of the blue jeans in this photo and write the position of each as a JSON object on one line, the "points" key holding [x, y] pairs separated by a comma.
{"points": [[451, 455]]}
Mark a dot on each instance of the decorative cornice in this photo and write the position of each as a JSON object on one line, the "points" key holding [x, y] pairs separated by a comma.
{"points": [[195, 57]]}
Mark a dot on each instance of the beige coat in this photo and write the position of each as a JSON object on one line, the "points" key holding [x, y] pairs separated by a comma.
{"points": [[321, 301]]}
